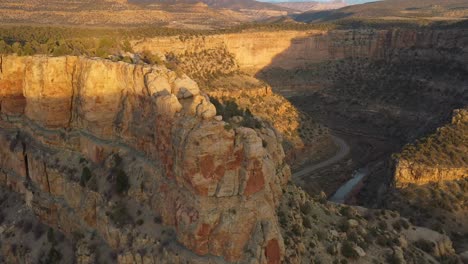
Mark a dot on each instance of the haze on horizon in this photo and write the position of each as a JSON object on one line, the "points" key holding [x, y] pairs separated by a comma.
{"points": [[353, 2]]}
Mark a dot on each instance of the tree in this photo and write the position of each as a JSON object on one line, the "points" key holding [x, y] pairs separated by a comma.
{"points": [[28, 49], [17, 48], [126, 46], [61, 50], [4, 47]]}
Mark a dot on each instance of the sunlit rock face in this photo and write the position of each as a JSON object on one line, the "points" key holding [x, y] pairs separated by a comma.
{"points": [[256, 51], [217, 186]]}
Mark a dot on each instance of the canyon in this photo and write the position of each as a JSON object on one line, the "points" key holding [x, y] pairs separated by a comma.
{"points": [[322, 74], [142, 156]]}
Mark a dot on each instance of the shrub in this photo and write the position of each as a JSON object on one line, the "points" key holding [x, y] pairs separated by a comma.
{"points": [[344, 225], [231, 109], [53, 257], [297, 230], [331, 249], [157, 220], [122, 183], [85, 176], [38, 231], [50, 235], [404, 223], [393, 259], [119, 215], [348, 251], [397, 225], [384, 241], [306, 222], [346, 211], [306, 208], [151, 58], [383, 225], [425, 245]]}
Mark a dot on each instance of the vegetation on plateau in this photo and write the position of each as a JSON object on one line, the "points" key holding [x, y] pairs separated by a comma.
{"points": [[229, 109], [448, 146]]}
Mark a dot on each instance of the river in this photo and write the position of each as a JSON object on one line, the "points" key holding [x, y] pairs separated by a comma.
{"points": [[342, 193]]}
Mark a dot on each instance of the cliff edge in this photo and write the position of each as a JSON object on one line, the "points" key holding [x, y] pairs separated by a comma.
{"points": [[93, 144]]}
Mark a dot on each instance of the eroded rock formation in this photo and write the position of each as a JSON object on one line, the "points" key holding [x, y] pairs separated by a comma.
{"points": [[217, 186]]}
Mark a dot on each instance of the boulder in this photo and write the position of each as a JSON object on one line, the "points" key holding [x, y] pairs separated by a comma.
{"points": [[184, 87]]}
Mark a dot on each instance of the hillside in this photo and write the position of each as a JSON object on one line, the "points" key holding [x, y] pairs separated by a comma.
{"points": [[176, 14], [393, 10], [431, 179], [228, 4], [312, 6]]}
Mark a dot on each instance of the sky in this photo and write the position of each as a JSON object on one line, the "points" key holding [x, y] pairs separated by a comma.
{"points": [[347, 1]]}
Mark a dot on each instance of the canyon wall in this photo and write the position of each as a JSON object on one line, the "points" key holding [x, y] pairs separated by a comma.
{"points": [[255, 51], [408, 172], [440, 157], [73, 129]]}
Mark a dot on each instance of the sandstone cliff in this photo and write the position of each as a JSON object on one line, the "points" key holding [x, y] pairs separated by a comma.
{"points": [[255, 51], [68, 116], [442, 156]]}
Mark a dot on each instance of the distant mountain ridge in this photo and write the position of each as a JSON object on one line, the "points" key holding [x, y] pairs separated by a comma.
{"points": [[196, 14], [393, 10], [229, 4], [312, 5]]}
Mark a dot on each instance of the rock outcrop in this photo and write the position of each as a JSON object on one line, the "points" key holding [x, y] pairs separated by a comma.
{"points": [[408, 172], [439, 157], [217, 186]]}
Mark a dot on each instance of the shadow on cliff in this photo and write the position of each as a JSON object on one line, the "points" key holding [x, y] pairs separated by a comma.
{"points": [[352, 76], [358, 92], [321, 16]]}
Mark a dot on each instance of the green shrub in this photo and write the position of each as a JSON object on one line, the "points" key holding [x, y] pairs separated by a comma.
{"points": [[344, 225], [51, 236], [151, 58], [404, 223], [348, 251], [397, 225], [393, 259], [85, 176], [425, 245], [306, 222], [230, 109], [119, 215], [53, 257], [383, 225], [122, 183], [297, 230], [306, 208]]}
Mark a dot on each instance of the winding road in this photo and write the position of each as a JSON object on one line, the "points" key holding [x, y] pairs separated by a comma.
{"points": [[343, 151]]}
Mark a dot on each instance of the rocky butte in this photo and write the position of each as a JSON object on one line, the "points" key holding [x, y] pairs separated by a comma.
{"points": [[92, 142]]}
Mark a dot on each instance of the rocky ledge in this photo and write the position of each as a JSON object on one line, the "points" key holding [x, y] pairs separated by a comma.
{"points": [[434, 158]]}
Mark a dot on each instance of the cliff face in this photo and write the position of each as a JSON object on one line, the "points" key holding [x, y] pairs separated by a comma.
{"points": [[295, 49], [408, 172], [440, 157], [67, 116]]}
